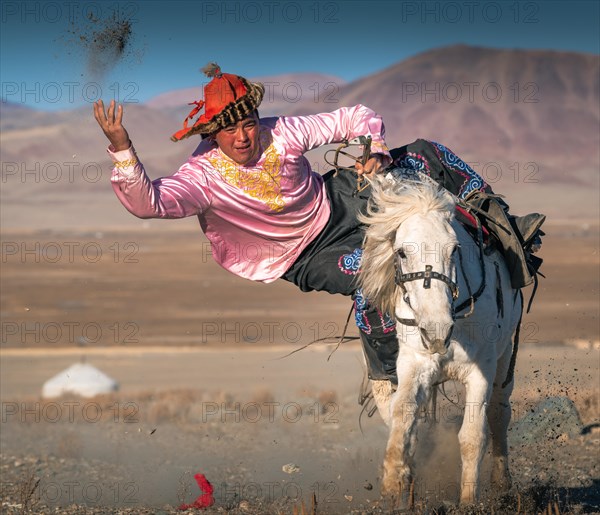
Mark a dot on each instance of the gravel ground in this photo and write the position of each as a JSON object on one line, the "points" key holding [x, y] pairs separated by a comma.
{"points": [[144, 460]]}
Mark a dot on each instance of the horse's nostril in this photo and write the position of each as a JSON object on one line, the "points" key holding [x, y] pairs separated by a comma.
{"points": [[449, 334], [439, 347], [436, 341]]}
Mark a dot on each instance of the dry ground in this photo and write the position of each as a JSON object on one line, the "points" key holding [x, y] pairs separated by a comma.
{"points": [[195, 352], [160, 286]]}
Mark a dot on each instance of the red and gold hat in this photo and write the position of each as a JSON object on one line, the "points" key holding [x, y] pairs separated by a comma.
{"points": [[227, 99]]}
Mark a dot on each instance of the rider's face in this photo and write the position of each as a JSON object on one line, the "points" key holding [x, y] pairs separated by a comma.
{"points": [[239, 141]]}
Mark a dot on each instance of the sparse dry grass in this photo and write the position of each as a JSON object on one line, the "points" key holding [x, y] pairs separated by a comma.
{"points": [[177, 405], [27, 490]]}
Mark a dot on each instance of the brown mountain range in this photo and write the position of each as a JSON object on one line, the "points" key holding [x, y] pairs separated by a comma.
{"points": [[491, 104]]}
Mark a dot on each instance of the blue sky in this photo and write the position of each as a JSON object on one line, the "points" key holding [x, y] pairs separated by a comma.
{"points": [[42, 64]]}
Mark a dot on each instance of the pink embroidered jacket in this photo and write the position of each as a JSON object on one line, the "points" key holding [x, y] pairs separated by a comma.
{"points": [[258, 217]]}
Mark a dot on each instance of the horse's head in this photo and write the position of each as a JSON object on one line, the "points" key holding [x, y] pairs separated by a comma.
{"points": [[425, 274], [408, 266]]}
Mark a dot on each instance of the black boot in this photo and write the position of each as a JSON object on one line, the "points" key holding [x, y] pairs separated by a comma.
{"points": [[379, 339], [381, 352]]}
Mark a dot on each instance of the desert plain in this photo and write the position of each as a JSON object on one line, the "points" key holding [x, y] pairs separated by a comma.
{"points": [[205, 387]]}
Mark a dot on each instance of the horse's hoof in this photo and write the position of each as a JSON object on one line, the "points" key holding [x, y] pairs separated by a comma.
{"points": [[502, 485], [394, 504], [397, 499], [445, 507], [501, 482]]}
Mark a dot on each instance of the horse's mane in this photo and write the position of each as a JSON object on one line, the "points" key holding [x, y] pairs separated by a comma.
{"points": [[391, 203]]}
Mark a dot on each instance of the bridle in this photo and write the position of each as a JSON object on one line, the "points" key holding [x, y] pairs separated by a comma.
{"points": [[400, 278]]}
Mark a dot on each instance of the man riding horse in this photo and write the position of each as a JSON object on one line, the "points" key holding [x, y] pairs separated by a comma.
{"points": [[250, 185]]}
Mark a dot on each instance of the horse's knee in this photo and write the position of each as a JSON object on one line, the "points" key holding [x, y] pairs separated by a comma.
{"points": [[382, 393]]}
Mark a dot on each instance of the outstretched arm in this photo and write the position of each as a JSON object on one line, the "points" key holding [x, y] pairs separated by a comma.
{"points": [[183, 194], [307, 132]]}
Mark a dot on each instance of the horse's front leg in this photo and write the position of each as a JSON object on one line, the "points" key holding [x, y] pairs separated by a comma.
{"points": [[473, 434], [398, 466], [499, 413]]}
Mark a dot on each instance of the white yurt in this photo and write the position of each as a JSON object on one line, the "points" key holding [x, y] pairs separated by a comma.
{"points": [[80, 379]]}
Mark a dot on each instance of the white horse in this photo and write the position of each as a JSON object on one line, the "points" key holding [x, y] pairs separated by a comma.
{"points": [[421, 265]]}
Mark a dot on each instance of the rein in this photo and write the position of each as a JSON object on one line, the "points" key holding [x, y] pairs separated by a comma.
{"points": [[473, 296], [363, 141]]}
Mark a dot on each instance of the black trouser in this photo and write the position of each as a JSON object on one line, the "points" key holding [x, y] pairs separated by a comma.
{"points": [[331, 262]]}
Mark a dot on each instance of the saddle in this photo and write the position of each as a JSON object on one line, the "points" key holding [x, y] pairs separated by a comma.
{"points": [[470, 223], [517, 238]]}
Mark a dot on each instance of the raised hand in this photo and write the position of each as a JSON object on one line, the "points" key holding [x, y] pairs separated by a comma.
{"points": [[111, 125]]}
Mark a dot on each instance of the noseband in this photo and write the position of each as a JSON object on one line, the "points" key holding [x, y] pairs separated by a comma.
{"points": [[401, 278]]}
